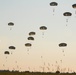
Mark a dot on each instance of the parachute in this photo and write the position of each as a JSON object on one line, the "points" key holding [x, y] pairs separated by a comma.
{"points": [[32, 33], [43, 28], [74, 6], [67, 14], [63, 45], [6, 52], [12, 47], [30, 38], [53, 4], [28, 45], [10, 24]]}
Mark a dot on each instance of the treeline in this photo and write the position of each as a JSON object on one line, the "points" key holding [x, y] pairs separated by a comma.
{"points": [[7, 72]]}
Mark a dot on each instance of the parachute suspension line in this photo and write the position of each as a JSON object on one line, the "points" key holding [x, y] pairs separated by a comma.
{"points": [[42, 34], [53, 11], [66, 24], [66, 21], [27, 50], [10, 28], [11, 52], [75, 12], [63, 52], [6, 58]]}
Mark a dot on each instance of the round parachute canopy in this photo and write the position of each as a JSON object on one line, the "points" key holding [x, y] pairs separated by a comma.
{"points": [[43, 28], [11, 24], [6, 52], [28, 44], [53, 4], [12, 47], [74, 5], [62, 45], [30, 38], [32, 33], [67, 14]]}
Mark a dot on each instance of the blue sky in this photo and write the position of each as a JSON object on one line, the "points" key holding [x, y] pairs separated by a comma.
{"points": [[29, 16]]}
